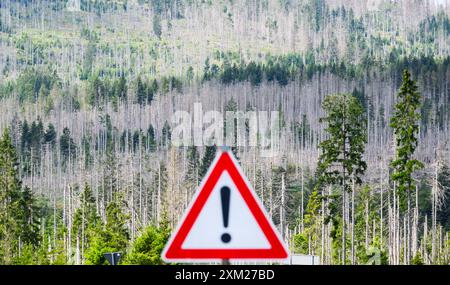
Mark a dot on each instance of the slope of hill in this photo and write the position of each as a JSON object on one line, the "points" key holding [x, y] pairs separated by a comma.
{"points": [[89, 88]]}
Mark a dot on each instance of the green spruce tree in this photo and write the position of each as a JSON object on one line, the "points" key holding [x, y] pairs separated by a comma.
{"points": [[113, 237], [208, 157], [341, 159], [18, 214], [86, 221], [151, 139], [141, 92], [147, 248], [193, 168], [405, 123]]}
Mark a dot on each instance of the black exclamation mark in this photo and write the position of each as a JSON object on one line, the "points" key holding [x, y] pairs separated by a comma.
{"points": [[225, 197]]}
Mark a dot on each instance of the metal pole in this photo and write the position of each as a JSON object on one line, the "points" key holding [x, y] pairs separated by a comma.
{"points": [[224, 148]]}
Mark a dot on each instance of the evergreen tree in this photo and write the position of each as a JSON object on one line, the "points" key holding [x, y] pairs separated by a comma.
{"points": [[208, 157], [66, 144], [405, 125], [254, 73], [444, 211], [108, 133], [166, 135], [151, 140], [96, 90], [25, 138], [10, 186], [147, 248], [86, 145], [36, 136], [312, 222], [27, 217], [120, 90], [125, 140], [85, 221], [151, 90], [17, 210], [25, 147], [193, 167], [154, 87], [137, 139], [50, 135], [141, 92], [113, 237], [341, 161]]}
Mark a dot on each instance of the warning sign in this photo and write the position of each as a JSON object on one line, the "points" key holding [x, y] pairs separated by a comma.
{"points": [[225, 221]]}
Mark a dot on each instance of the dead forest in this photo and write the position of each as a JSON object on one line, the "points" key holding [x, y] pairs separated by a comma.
{"points": [[88, 89]]}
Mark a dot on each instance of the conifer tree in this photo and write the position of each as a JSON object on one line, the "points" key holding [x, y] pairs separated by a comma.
{"points": [[147, 248], [141, 92], [193, 168], [114, 236], [341, 161], [444, 183], [66, 144], [50, 135], [10, 186], [121, 88], [27, 217], [85, 221], [313, 220], [151, 140], [208, 157], [116, 220], [18, 213], [25, 146], [24, 142], [406, 129], [166, 135]]}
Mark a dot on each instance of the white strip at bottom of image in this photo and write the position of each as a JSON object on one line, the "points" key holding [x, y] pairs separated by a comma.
{"points": [[294, 259]]}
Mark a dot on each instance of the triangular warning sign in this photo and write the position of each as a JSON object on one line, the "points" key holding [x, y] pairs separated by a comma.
{"points": [[225, 220]]}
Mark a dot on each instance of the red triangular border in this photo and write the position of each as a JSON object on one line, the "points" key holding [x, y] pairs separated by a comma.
{"points": [[224, 163]]}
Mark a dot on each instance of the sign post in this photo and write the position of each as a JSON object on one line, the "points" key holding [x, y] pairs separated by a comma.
{"points": [[225, 221], [113, 257]]}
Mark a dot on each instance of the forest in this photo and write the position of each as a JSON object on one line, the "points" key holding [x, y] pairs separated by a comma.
{"points": [[88, 90]]}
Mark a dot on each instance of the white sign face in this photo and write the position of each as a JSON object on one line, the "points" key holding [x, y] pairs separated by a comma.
{"points": [[209, 227], [225, 221]]}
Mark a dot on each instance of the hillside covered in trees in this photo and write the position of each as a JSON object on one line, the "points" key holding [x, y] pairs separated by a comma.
{"points": [[88, 89]]}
